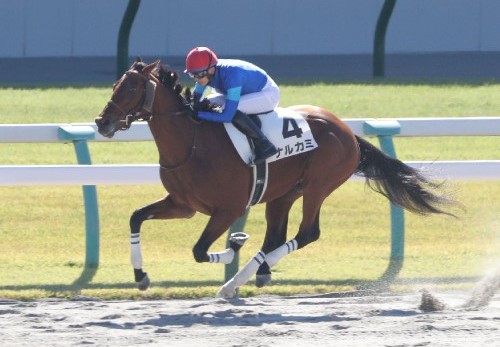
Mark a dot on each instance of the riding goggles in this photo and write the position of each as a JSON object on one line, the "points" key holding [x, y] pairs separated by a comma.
{"points": [[198, 75]]}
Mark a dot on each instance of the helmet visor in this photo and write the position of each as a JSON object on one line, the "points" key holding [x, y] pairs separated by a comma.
{"points": [[198, 75]]}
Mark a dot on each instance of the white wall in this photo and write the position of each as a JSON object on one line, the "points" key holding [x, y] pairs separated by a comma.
{"points": [[68, 28]]}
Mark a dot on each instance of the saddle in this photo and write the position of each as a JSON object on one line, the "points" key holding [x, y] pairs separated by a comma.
{"points": [[285, 128]]}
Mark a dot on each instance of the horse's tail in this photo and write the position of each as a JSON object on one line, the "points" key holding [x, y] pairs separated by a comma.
{"points": [[401, 184]]}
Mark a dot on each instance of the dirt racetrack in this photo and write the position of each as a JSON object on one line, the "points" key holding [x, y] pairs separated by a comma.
{"points": [[363, 319]]}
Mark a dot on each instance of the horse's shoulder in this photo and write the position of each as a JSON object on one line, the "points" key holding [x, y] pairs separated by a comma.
{"points": [[213, 132]]}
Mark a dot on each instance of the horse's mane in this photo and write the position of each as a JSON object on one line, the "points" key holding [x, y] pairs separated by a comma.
{"points": [[170, 79]]}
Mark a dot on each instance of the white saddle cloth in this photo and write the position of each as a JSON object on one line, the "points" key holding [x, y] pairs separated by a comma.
{"points": [[286, 129]]}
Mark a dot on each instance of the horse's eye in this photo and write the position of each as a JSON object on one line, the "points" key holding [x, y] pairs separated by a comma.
{"points": [[132, 90]]}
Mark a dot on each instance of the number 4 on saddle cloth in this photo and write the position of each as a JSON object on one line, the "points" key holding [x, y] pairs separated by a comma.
{"points": [[287, 130]]}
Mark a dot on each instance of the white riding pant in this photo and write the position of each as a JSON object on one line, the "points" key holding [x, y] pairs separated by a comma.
{"points": [[264, 101]]}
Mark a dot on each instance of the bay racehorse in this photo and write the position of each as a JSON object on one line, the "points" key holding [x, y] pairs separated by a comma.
{"points": [[202, 172]]}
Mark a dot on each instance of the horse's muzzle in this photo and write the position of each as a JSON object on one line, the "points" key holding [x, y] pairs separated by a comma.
{"points": [[105, 127]]}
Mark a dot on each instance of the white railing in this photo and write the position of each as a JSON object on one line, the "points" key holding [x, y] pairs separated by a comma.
{"points": [[64, 175], [464, 126], [90, 175], [148, 174]]}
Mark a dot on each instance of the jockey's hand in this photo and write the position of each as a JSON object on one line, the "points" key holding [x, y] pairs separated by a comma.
{"points": [[194, 114], [188, 107], [202, 105]]}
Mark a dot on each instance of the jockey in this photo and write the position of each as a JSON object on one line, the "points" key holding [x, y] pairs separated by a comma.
{"points": [[241, 88]]}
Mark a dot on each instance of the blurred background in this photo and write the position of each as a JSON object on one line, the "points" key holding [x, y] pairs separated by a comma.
{"points": [[316, 39]]}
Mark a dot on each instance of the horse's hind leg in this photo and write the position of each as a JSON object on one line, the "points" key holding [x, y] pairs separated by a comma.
{"points": [[162, 209], [277, 218], [277, 221], [309, 230]]}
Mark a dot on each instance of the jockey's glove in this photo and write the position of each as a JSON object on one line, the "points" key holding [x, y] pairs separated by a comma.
{"points": [[193, 112]]}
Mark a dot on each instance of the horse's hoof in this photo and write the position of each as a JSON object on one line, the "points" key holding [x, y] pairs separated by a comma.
{"points": [[226, 292], [262, 280], [237, 240], [144, 283]]}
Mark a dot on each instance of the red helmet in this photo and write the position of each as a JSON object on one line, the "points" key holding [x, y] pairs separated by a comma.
{"points": [[200, 59]]}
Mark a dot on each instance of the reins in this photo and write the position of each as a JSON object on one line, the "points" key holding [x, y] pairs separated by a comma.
{"points": [[195, 133], [193, 143], [188, 158]]}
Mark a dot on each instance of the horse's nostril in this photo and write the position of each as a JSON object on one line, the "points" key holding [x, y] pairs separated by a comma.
{"points": [[102, 122]]}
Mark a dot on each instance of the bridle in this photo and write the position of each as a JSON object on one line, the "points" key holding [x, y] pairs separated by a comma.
{"points": [[144, 112]]}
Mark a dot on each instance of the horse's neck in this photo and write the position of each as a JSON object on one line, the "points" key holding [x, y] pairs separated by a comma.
{"points": [[173, 134]]}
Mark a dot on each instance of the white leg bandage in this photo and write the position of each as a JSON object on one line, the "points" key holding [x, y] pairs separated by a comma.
{"points": [[135, 251], [247, 271], [225, 257], [275, 256]]}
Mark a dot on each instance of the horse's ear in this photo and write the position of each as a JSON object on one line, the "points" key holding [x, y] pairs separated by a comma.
{"points": [[156, 64], [134, 64], [149, 68]]}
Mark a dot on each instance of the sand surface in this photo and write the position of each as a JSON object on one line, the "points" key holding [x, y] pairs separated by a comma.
{"points": [[364, 319]]}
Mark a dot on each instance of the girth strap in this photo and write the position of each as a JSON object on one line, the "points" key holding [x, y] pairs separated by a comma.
{"points": [[260, 178]]}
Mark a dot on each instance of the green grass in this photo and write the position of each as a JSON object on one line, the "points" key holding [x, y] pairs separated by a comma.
{"points": [[66, 105], [398, 100], [42, 228]]}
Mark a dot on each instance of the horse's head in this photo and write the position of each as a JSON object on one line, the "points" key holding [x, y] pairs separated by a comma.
{"points": [[132, 99]]}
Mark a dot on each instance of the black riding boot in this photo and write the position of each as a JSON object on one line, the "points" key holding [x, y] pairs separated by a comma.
{"points": [[263, 147]]}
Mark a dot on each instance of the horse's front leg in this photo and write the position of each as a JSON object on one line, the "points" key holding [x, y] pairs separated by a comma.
{"points": [[165, 208], [219, 222]]}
